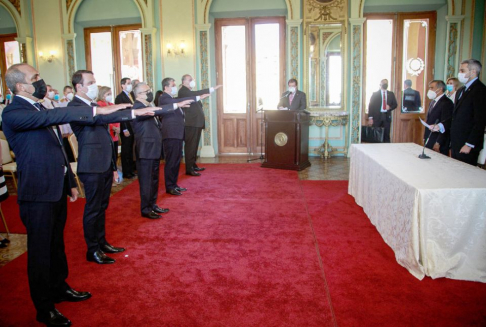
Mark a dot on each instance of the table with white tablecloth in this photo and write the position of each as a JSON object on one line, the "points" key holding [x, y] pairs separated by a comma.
{"points": [[431, 212]]}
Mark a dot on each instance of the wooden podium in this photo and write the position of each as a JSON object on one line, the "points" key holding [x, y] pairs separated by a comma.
{"points": [[286, 139]]}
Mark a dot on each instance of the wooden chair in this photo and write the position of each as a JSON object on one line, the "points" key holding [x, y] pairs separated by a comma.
{"points": [[73, 142], [5, 223], [9, 166]]}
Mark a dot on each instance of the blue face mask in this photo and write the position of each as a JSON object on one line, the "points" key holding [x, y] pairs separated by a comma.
{"points": [[56, 97], [450, 87], [9, 96]]}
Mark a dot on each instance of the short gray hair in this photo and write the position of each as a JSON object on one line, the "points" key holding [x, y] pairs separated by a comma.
{"points": [[136, 89], [473, 64], [439, 84], [13, 76]]}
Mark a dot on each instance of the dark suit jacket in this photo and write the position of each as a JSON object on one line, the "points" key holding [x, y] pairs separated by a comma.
{"points": [[411, 100], [148, 132], [442, 111], [38, 152], [469, 117], [172, 125], [298, 103], [376, 103], [195, 113], [95, 145], [123, 98]]}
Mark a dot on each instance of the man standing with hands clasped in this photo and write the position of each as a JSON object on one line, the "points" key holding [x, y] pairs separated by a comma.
{"points": [[382, 103], [45, 182], [469, 115]]}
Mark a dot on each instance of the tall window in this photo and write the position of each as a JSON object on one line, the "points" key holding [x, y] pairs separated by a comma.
{"points": [[10, 55], [379, 50], [114, 52]]}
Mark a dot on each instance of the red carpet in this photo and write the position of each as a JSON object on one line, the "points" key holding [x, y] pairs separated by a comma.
{"points": [[10, 210], [239, 249]]}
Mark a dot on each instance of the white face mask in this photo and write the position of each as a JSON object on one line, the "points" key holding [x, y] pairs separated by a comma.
{"points": [[173, 91], [51, 94], [1, 99], [129, 88], [431, 95], [462, 78], [192, 84], [70, 96], [109, 98], [92, 91], [291, 89]]}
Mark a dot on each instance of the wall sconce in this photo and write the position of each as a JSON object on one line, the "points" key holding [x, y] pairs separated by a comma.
{"points": [[181, 51], [49, 59]]}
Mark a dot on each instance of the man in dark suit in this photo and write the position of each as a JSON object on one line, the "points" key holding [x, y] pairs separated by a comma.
{"points": [[173, 135], [96, 163], [469, 115], [194, 124], [411, 98], [382, 103], [148, 149], [45, 181], [126, 135], [293, 99], [440, 111]]}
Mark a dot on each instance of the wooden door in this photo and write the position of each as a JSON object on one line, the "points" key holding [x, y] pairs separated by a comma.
{"points": [[415, 62], [9, 55], [114, 52], [250, 60]]}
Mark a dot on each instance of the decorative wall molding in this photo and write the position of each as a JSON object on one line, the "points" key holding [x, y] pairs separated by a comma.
{"points": [[16, 4], [294, 54], [325, 11], [453, 43], [356, 77]]}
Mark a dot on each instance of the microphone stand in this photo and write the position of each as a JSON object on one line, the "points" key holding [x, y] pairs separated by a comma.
{"points": [[423, 155], [261, 157]]}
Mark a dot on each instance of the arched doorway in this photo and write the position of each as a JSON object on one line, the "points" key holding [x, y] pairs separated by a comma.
{"points": [[9, 47]]}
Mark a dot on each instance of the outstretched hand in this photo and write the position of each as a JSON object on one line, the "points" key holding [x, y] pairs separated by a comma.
{"points": [[217, 87], [185, 104], [146, 111], [111, 109], [204, 96]]}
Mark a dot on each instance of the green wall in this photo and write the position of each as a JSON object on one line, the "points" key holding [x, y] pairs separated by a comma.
{"points": [[7, 24]]}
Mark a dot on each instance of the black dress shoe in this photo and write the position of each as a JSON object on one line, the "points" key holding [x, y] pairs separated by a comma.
{"points": [[71, 295], [199, 169], [158, 209], [151, 215], [5, 241], [174, 191], [99, 257], [3, 245], [180, 189], [53, 318], [192, 173], [107, 248]]}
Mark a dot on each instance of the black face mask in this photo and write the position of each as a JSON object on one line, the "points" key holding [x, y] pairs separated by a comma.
{"points": [[384, 86], [40, 89], [150, 97]]}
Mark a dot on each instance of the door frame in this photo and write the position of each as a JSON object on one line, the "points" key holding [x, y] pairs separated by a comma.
{"points": [[398, 134], [3, 58], [253, 118], [115, 30]]}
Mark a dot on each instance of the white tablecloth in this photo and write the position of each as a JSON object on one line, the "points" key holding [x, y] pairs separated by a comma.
{"points": [[431, 212]]}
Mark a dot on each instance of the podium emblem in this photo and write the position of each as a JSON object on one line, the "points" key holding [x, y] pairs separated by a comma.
{"points": [[281, 139]]}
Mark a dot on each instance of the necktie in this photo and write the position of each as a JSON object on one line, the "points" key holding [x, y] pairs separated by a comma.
{"points": [[384, 101], [291, 98], [431, 106]]}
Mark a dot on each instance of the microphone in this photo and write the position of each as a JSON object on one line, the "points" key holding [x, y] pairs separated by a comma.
{"points": [[423, 155], [285, 94]]}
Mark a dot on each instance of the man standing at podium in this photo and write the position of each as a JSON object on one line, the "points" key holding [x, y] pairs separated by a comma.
{"points": [[293, 99]]}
